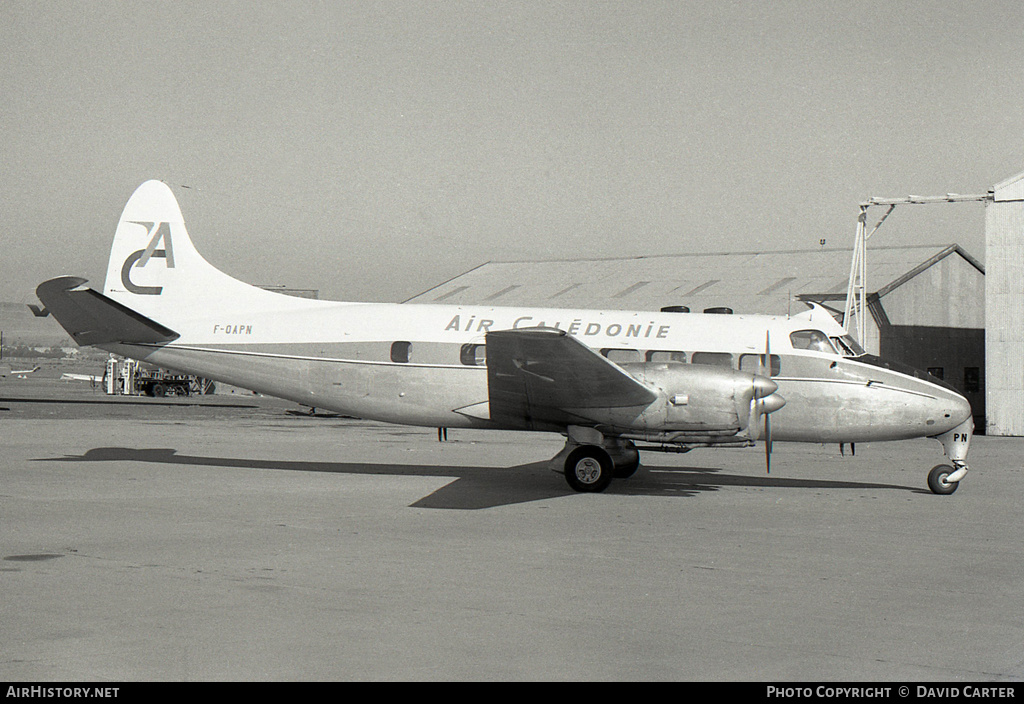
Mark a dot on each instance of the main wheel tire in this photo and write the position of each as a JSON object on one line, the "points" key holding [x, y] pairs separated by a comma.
{"points": [[937, 480], [589, 469]]}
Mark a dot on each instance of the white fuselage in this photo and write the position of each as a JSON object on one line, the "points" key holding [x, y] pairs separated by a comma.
{"points": [[423, 364]]}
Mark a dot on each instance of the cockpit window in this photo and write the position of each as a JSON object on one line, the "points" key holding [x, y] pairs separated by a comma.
{"points": [[811, 340], [848, 347]]}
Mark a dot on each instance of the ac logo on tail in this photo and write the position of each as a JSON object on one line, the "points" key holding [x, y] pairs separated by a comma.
{"points": [[157, 231]]}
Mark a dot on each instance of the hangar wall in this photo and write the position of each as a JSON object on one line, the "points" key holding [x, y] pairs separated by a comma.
{"points": [[933, 319], [1004, 301]]}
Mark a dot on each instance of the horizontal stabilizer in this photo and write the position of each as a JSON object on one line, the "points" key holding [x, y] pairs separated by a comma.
{"points": [[93, 319], [546, 374]]}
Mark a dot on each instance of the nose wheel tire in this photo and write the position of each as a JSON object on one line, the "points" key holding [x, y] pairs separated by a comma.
{"points": [[589, 469], [937, 480]]}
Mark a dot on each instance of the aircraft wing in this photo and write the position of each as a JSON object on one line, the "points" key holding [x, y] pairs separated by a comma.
{"points": [[6, 370], [93, 319], [544, 374]]}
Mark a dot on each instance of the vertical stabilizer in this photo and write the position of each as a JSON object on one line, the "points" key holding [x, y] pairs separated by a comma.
{"points": [[155, 269]]}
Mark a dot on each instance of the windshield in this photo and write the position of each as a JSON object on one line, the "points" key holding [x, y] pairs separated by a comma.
{"points": [[847, 346]]}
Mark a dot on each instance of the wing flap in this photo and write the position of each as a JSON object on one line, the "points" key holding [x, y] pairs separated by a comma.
{"points": [[93, 319], [544, 374]]}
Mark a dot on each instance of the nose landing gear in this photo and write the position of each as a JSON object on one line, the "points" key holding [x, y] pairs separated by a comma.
{"points": [[944, 479], [939, 479]]}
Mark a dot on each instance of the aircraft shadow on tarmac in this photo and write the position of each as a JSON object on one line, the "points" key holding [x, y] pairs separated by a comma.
{"points": [[488, 487]]}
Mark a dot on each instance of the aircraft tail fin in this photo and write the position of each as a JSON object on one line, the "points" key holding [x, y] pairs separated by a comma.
{"points": [[155, 269]]}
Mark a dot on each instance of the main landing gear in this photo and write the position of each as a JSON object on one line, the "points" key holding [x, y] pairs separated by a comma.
{"points": [[590, 461], [589, 469]]}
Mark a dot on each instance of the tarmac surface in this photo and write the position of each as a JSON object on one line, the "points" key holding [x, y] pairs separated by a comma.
{"points": [[233, 537]]}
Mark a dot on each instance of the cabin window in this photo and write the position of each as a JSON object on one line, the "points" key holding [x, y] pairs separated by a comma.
{"points": [[715, 359], [400, 351], [620, 355], [937, 372], [473, 355], [666, 356], [814, 340], [754, 363]]}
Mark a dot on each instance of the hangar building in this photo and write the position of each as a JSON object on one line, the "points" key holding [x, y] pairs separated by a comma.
{"points": [[1004, 297], [927, 305]]}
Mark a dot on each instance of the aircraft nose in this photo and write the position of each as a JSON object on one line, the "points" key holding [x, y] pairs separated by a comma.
{"points": [[961, 409], [955, 410]]}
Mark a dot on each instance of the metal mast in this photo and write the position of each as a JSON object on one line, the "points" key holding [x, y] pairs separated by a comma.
{"points": [[857, 289]]}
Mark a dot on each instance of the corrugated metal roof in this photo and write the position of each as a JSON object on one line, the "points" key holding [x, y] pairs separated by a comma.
{"points": [[747, 282]]}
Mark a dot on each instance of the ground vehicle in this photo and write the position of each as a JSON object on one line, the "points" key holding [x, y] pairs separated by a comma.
{"points": [[128, 377]]}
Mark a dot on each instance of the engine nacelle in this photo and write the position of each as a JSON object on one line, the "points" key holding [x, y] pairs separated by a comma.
{"points": [[703, 399]]}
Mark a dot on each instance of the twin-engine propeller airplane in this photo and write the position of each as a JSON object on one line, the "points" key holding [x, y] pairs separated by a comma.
{"points": [[605, 379]]}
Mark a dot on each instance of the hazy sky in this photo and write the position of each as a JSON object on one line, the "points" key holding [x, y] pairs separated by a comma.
{"points": [[373, 149]]}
